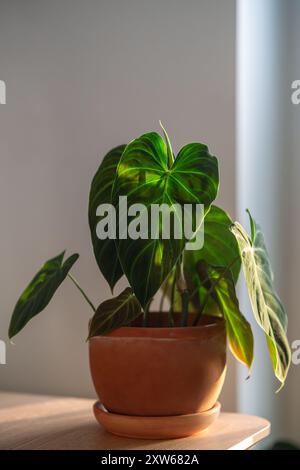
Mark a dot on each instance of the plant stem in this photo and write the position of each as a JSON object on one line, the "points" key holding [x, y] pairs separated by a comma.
{"points": [[213, 285], [145, 313], [161, 303], [185, 307], [184, 293], [171, 317], [163, 295], [172, 300], [82, 292], [169, 147]]}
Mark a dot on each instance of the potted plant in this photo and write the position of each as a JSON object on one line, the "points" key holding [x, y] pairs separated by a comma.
{"points": [[159, 374]]}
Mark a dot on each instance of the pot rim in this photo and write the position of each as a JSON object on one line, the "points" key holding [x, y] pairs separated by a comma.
{"points": [[165, 332]]}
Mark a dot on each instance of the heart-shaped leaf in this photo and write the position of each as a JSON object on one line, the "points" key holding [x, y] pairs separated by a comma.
{"points": [[219, 281], [100, 193], [40, 291], [220, 248], [266, 305], [114, 313], [147, 175]]}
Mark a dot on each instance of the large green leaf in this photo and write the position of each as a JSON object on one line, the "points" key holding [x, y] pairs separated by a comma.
{"points": [[267, 307], [100, 193], [40, 291], [147, 175], [220, 246], [114, 313], [219, 281], [220, 249]]}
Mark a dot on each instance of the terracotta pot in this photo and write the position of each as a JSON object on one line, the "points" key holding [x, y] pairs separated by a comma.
{"points": [[160, 371]]}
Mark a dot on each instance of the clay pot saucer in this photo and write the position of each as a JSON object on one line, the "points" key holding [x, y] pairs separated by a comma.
{"points": [[155, 427]]}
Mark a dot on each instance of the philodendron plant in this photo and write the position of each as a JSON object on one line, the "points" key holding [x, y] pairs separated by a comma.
{"points": [[145, 172]]}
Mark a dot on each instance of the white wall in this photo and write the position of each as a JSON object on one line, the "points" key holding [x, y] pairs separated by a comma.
{"points": [[82, 77]]}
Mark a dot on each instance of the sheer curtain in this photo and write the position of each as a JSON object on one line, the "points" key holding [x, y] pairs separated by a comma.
{"points": [[265, 157]]}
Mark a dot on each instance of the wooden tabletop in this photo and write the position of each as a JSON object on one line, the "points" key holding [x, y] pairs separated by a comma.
{"points": [[43, 422]]}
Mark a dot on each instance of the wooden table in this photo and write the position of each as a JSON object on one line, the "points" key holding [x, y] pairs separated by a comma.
{"points": [[43, 422]]}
